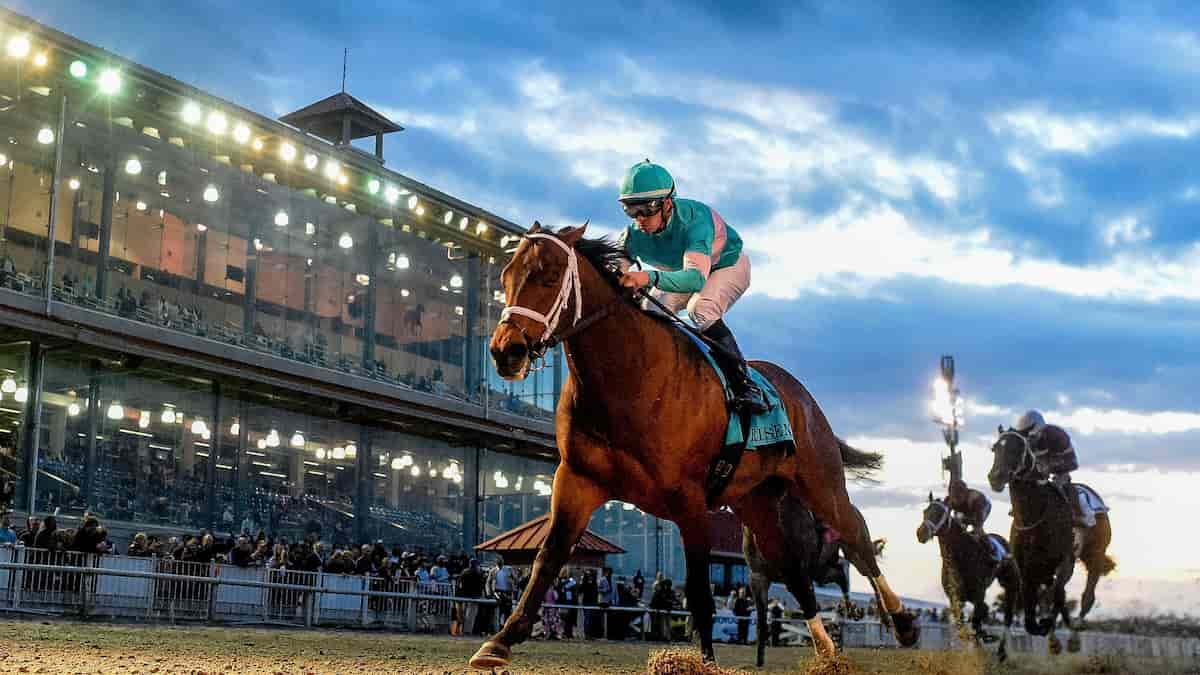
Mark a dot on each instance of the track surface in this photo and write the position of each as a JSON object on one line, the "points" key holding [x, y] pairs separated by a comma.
{"points": [[71, 647]]}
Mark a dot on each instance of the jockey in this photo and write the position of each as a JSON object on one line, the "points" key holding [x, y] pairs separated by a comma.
{"points": [[973, 505], [1055, 456], [700, 264]]}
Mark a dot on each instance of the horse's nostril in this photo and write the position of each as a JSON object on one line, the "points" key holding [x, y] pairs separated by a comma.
{"points": [[516, 350]]}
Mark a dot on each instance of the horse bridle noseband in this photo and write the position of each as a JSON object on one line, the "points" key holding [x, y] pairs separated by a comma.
{"points": [[934, 528], [570, 288]]}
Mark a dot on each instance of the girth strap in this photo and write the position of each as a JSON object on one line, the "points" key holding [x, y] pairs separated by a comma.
{"points": [[720, 471]]}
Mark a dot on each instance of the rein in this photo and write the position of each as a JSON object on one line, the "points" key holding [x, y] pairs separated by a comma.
{"points": [[1027, 464], [934, 528]]}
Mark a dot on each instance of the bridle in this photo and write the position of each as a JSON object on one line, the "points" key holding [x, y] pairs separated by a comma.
{"points": [[1027, 465], [934, 528], [568, 289]]}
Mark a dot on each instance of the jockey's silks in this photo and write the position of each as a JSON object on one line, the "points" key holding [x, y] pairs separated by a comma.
{"points": [[693, 228]]}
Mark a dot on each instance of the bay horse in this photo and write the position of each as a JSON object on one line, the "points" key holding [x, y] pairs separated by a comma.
{"points": [[641, 416], [968, 569], [803, 545]]}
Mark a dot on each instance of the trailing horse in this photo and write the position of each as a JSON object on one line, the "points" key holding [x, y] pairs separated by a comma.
{"points": [[968, 569], [641, 417], [803, 545]]}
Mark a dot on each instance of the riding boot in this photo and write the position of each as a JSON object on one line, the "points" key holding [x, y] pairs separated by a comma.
{"points": [[746, 394]]}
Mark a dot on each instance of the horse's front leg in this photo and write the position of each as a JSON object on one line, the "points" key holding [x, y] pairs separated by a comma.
{"points": [[574, 499], [697, 549]]}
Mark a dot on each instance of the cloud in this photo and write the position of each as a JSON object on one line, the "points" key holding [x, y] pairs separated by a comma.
{"points": [[1125, 230], [1087, 133], [1089, 421]]}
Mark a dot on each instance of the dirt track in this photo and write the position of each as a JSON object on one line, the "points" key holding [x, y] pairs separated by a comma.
{"points": [[68, 647]]}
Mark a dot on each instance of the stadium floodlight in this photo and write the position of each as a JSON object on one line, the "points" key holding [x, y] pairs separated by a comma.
{"points": [[110, 81], [133, 167], [115, 411], [415, 471], [396, 465], [287, 151], [391, 194], [481, 228], [40, 60], [211, 194], [297, 440], [72, 409], [191, 112], [332, 168], [412, 203], [241, 133], [22, 394], [320, 453], [281, 219], [216, 122], [310, 161], [463, 223], [373, 186], [78, 70], [456, 281], [448, 217], [402, 262], [346, 241], [339, 453], [168, 416], [45, 136], [18, 46]]}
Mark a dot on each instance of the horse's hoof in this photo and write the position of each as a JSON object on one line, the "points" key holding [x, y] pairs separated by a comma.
{"points": [[1074, 644], [1054, 645], [906, 628], [491, 655], [1002, 653]]}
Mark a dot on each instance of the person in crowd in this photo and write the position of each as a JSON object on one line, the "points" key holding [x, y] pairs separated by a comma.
{"points": [[551, 621], [45, 537], [470, 585], [567, 595], [741, 609], [7, 534], [662, 599], [504, 586], [29, 534], [242, 553], [91, 537], [439, 573], [775, 610], [362, 563], [589, 596]]}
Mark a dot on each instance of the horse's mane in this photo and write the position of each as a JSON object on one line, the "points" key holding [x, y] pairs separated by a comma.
{"points": [[606, 256]]}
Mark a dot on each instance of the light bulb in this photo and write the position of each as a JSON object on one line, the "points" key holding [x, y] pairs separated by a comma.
{"points": [[110, 81], [191, 112], [45, 136], [345, 241], [391, 194], [72, 409], [332, 168], [73, 183], [8, 386], [273, 439], [339, 452], [235, 429], [310, 161], [115, 411], [456, 281], [133, 166], [373, 186], [396, 464], [415, 471], [281, 219], [18, 46], [22, 394], [168, 416], [297, 440], [216, 122], [287, 151], [211, 194], [262, 444], [241, 133], [78, 70], [144, 419], [320, 453], [197, 426], [351, 451]]}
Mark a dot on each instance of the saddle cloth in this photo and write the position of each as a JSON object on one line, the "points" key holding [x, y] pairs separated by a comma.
{"points": [[1089, 496], [999, 550], [770, 431]]}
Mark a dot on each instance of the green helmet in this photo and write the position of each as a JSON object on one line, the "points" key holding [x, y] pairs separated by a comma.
{"points": [[646, 181]]}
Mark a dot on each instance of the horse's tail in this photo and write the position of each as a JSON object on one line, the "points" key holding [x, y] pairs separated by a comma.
{"points": [[862, 464], [1095, 555]]}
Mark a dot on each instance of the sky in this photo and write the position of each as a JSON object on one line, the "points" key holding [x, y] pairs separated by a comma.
{"points": [[1011, 184]]}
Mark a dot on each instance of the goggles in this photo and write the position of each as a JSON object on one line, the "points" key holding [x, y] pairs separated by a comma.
{"points": [[642, 209]]}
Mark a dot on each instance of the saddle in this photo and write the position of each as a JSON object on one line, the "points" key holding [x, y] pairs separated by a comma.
{"points": [[768, 432]]}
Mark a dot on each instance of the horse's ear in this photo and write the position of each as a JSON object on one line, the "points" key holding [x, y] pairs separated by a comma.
{"points": [[537, 227], [571, 235], [931, 495], [999, 428]]}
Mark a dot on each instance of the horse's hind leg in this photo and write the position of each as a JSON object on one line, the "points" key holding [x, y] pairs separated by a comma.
{"points": [[760, 512], [860, 551], [760, 583]]}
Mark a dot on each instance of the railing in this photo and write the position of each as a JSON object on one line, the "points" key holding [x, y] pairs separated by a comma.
{"points": [[161, 589]]}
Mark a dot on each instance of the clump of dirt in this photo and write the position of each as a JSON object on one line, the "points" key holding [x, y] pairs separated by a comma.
{"points": [[837, 664], [682, 662], [957, 662]]}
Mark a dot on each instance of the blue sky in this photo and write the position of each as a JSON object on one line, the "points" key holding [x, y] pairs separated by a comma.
{"points": [[1016, 186]]}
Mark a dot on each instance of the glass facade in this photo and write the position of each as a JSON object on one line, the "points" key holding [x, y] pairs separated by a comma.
{"points": [[126, 194]]}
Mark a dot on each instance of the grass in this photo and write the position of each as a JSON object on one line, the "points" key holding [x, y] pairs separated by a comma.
{"points": [[72, 647]]}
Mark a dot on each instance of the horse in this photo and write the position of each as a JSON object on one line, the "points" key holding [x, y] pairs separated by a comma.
{"points": [[968, 569], [1041, 534], [641, 417], [804, 547]]}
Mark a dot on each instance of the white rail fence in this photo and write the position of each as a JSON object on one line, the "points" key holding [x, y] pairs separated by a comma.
{"points": [[160, 589]]}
